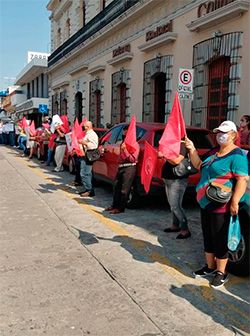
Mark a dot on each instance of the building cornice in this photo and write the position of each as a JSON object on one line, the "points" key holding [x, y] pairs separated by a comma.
{"points": [[98, 68], [219, 15], [163, 39], [127, 56]]}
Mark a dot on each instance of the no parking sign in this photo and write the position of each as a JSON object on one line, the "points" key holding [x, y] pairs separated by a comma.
{"points": [[185, 82]]}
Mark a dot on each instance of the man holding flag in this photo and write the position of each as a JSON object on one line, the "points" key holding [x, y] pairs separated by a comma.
{"points": [[172, 148], [129, 153]]}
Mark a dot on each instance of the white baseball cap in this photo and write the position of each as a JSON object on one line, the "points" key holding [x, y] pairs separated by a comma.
{"points": [[225, 127]]}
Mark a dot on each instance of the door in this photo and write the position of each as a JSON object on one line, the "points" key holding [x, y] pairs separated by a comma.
{"points": [[218, 91], [122, 88], [159, 97]]}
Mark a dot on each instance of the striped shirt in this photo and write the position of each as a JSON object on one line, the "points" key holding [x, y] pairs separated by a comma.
{"points": [[222, 170]]}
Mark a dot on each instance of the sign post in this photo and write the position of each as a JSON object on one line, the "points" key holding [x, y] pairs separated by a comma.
{"points": [[185, 86]]}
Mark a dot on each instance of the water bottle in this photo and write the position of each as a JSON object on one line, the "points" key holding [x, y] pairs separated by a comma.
{"points": [[233, 243]]}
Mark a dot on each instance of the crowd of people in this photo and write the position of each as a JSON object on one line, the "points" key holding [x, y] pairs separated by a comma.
{"points": [[226, 165]]}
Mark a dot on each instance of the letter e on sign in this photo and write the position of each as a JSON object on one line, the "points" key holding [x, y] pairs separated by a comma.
{"points": [[185, 83]]}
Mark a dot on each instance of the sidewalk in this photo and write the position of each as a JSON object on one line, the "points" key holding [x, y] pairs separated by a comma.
{"points": [[69, 269]]}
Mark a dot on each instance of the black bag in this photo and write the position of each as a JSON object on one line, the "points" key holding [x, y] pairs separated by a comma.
{"points": [[218, 194], [92, 154], [60, 141], [185, 168]]}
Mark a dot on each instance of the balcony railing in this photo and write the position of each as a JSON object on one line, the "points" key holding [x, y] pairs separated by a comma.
{"points": [[110, 13]]}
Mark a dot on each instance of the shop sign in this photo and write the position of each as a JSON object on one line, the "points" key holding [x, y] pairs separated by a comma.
{"points": [[121, 50], [37, 55], [210, 6], [159, 31], [27, 105]]}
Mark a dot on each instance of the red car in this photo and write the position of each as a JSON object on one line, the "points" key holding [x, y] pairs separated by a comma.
{"points": [[106, 167]]}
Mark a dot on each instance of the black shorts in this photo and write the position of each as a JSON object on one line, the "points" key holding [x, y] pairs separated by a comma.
{"points": [[215, 231]]}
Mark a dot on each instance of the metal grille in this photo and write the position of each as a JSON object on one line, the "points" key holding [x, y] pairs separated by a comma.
{"points": [[153, 67], [204, 53]]}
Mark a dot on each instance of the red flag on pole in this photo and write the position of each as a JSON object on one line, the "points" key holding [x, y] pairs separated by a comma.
{"points": [[24, 123], [65, 126], [130, 139], [76, 147], [32, 129], [83, 121], [78, 130], [148, 165], [175, 130]]}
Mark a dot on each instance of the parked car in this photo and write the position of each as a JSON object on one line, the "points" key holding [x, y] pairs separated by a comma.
{"points": [[106, 167], [68, 160]]}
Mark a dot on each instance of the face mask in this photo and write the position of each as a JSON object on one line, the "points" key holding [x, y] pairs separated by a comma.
{"points": [[221, 138]]}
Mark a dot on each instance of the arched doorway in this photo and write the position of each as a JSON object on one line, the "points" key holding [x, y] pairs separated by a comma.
{"points": [[159, 97], [218, 86], [78, 106], [97, 122], [64, 106], [122, 93]]}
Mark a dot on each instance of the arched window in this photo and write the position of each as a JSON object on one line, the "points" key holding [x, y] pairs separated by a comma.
{"points": [[83, 13], [218, 91], [58, 39], [103, 4], [78, 106], [67, 28]]}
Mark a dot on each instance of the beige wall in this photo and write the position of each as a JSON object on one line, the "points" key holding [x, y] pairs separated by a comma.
{"points": [[133, 32]]}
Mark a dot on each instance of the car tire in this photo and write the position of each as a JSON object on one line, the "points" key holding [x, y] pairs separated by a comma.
{"points": [[238, 262], [134, 198], [71, 166]]}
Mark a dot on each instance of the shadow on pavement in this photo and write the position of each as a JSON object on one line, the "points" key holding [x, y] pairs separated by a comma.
{"points": [[236, 316]]}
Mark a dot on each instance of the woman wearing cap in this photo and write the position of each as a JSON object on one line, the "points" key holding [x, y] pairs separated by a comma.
{"points": [[227, 167]]}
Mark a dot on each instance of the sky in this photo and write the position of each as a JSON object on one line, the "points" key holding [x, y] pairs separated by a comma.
{"points": [[24, 26]]}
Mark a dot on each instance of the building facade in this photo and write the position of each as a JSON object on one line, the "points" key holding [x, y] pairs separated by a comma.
{"points": [[112, 59], [33, 83]]}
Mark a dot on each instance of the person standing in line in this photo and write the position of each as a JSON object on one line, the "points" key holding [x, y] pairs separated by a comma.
{"points": [[229, 168], [175, 187], [89, 141], [125, 176], [245, 132], [1, 132], [57, 128]]}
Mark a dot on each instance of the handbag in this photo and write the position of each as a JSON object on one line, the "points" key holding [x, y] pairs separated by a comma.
{"points": [[218, 194], [92, 155], [234, 233], [184, 168]]}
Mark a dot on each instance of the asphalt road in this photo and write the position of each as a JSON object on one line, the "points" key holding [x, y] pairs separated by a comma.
{"points": [[68, 268]]}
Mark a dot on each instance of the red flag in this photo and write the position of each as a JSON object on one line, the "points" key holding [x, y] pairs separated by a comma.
{"points": [[76, 147], [32, 129], [24, 123], [83, 122], [130, 139], [65, 126], [148, 165], [175, 130], [78, 130]]}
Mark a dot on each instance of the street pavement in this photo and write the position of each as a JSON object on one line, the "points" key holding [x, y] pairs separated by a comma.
{"points": [[70, 269]]}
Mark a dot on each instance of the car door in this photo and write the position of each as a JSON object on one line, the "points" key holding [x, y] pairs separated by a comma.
{"points": [[106, 167]]}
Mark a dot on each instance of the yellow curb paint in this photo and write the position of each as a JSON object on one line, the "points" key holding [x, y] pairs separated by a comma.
{"points": [[165, 264]]}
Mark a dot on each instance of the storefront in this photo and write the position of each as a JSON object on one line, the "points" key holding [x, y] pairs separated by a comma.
{"points": [[108, 80]]}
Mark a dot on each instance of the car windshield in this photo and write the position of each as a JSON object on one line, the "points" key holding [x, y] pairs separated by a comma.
{"points": [[200, 138]]}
